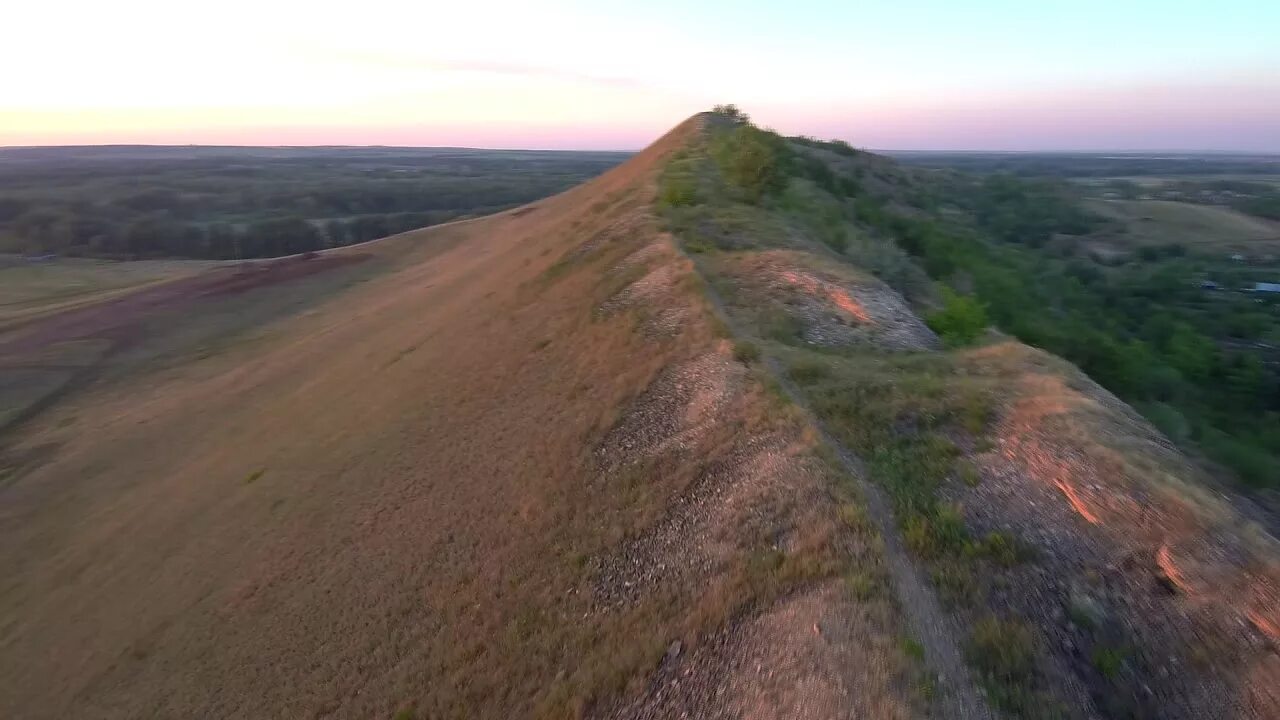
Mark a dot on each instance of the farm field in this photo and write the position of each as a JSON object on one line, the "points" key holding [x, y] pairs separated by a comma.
{"points": [[1202, 227], [1156, 181], [29, 288]]}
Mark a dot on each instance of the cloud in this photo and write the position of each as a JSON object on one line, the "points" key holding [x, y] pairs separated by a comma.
{"points": [[417, 63]]}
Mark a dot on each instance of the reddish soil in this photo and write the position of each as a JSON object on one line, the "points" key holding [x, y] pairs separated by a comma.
{"points": [[1125, 566]]}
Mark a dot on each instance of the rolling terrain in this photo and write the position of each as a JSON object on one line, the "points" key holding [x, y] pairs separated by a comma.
{"points": [[1215, 229], [674, 443]]}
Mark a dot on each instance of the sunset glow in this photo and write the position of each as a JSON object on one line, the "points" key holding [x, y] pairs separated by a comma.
{"points": [[570, 74]]}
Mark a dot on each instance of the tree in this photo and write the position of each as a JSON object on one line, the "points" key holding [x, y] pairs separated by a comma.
{"points": [[281, 236], [337, 233], [731, 112], [368, 227], [224, 241], [151, 236]]}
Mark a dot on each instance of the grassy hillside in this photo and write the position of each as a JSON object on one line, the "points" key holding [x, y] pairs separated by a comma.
{"points": [[722, 433], [1087, 570], [1206, 228], [505, 467], [1124, 299]]}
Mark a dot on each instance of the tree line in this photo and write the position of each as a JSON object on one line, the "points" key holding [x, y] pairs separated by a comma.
{"points": [[157, 236], [1009, 249], [247, 203]]}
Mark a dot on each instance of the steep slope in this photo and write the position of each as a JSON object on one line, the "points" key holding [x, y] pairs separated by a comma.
{"points": [[1086, 567], [503, 467]]}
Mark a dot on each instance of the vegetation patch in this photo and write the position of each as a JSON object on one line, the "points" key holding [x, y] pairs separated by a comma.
{"points": [[1004, 653], [961, 321], [223, 203], [746, 351]]}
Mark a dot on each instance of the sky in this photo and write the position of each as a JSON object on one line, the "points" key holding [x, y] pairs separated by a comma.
{"points": [[578, 74]]}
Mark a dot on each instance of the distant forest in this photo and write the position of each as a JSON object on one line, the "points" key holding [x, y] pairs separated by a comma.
{"points": [[1016, 249], [129, 202], [1252, 182]]}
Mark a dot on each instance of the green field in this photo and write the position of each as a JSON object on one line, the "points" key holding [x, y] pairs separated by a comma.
{"points": [[1160, 222], [28, 289], [1156, 181]]}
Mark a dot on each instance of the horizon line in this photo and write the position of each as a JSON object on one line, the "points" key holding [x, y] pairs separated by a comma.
{"points": [[933, 151]]}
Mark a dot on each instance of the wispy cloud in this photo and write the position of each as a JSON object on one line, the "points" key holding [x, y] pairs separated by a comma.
{"points": [[415, 62]]}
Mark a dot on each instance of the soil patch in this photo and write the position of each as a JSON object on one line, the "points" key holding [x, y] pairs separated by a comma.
{"points": [[1162, 608], [833, 310], [119, 318]]}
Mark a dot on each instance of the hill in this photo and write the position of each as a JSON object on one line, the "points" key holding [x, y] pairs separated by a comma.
{"points": [[675, 442], [457, 471], [1217, 229]]}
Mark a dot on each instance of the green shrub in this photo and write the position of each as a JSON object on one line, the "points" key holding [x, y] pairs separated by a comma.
{"points": [[1002, 548], [698, 246], [750, 159], [1004, 653], [678, 190], [955, 584], [961, 320], [807, 372], [746, 352], [731, 112]]}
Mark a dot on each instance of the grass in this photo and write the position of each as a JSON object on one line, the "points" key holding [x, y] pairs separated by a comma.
{"points": [[1004, 653], [34, 289], [1109, 661], [968, 473], [808, 371], [779, 325], [409, 548], [913, 418], [1002, 548], [918, 420], [745, 351], [425, 540], [913, 648], [1204, 227]]}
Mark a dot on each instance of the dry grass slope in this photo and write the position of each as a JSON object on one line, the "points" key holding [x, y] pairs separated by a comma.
{"points": [[505, 467]]}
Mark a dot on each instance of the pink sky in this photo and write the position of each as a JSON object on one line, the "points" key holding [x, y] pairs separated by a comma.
{"points": [[992, 74]]}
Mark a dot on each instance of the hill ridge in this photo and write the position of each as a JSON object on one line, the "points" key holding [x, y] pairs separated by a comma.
{"points": [[630, 451]]}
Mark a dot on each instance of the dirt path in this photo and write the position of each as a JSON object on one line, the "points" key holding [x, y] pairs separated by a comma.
{"points": [[957, 694]]}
